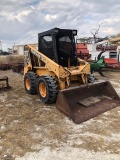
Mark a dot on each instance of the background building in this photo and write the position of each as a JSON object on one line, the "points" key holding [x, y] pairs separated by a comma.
{"points": [[19, 49]]}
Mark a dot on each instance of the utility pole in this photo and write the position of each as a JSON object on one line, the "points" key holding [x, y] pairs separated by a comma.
{"points": [[0, 45]]}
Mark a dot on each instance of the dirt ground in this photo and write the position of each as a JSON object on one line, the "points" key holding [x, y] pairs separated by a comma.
{"points": [[31, 130]]}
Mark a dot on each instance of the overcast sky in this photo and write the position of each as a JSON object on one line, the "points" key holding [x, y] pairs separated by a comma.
{"points": [[22, 20]]}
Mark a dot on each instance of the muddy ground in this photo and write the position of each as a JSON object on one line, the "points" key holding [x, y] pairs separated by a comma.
{"points": [[31, 130]]}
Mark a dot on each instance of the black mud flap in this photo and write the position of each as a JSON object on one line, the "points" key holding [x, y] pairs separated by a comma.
{"points": [[87, 101]]}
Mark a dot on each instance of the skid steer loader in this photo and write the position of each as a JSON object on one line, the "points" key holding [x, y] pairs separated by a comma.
{"points": [[56, 73]]}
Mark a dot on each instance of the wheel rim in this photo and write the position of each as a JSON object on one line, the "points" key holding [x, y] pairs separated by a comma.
{"points": [[42, 89], [27, 83]]}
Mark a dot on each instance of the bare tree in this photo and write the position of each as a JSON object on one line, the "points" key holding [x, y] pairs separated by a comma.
{"points": [[94, 32]]}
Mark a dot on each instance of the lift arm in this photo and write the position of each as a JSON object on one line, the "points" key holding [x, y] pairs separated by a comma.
{"points": [[50, 65]]}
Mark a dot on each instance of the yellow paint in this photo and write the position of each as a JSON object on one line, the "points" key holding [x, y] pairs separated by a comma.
{"points": [[63, 75]]}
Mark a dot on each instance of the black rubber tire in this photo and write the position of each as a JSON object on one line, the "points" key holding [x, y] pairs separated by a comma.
{"points": [[33, 83], [51, 89], [91, 78]]}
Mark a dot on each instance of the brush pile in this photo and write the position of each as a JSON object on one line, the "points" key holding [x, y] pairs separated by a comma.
{"points": [[7, 62]]}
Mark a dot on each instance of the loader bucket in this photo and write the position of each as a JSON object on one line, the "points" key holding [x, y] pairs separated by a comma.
{"points": [[87, 101]]}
